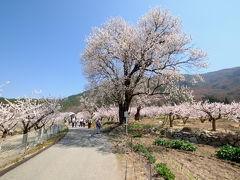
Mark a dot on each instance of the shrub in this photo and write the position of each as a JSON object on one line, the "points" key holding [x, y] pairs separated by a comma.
{"points": [[176, 144], [137, 134], [147, 154], [183, 145], [164, 171], [162, 142], [230, 153]]}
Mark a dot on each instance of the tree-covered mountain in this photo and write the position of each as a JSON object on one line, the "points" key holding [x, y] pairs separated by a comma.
{"points": [[222, 85], [218, 86]]}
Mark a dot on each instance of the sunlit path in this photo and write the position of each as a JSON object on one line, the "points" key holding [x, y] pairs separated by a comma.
{"points": [[81, 154]]}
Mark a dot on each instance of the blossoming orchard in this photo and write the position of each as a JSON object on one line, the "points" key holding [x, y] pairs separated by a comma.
{"points": [[145, 59], [27, 114], [131, 68], [199, 111]]}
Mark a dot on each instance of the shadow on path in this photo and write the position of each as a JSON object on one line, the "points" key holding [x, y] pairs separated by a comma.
{"points": [[85, 138]]}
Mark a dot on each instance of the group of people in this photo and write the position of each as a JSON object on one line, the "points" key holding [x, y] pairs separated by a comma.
{"points": [[82, 123]]}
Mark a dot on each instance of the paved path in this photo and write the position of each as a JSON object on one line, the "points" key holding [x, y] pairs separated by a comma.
{"points": [[80, 155]]}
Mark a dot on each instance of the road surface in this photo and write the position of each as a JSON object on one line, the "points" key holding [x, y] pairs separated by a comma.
{"points": [[80, 155]]}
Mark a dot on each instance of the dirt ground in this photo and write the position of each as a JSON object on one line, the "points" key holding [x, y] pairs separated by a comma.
{"points": [[222, 125], [201, 164]]}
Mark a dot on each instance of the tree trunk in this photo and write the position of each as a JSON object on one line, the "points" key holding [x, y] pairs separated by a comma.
{"points": [[122, 108], [213, 124], [122, 119], [171, 120], [137, 115], [4, 133], [25, 136]]}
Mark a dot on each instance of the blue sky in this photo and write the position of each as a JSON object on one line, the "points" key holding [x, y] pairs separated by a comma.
{"points": [[41, 41]]}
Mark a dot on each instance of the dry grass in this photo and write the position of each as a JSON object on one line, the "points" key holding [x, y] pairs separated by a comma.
{"points": [[201, 164]]}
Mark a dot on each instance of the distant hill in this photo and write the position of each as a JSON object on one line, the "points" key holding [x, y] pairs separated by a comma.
{"points": [[222, 85], [219, 86], [71, 103]]}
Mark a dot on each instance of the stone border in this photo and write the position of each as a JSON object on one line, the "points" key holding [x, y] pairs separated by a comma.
{"points": [[4, 171], [203, 137]]}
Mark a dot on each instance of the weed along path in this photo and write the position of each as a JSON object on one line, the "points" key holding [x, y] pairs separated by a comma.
{"points": [[81, 154]]}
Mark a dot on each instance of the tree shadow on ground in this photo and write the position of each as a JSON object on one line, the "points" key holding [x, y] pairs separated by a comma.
{"points": [[85, 138]]}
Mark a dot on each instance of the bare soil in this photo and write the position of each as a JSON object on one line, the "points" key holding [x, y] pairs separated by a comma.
{"points": [[201, 164]]}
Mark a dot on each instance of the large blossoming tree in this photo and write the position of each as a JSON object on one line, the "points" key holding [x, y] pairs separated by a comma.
{"points": [[127, 60]]}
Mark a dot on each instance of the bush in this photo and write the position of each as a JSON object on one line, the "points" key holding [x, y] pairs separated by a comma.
{"points": [[176, 144], [162, 142], [137, 134], [183, 145], [230, 153], [147, 154], [164, 171]]}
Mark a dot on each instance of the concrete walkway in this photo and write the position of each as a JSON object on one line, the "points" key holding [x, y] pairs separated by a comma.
{"points": [[80, 155]]}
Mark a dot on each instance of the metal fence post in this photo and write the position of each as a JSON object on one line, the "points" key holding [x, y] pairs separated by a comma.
{"points": [[132, 143], [1, 145], [150, 164], [126, 116], [24, 141]]}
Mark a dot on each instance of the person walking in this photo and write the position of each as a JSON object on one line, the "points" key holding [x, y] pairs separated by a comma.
{"points": [[72, 122], [80, 122], [84, 123], [72, 119], [89, 123], [75, 121], [98, 125]]}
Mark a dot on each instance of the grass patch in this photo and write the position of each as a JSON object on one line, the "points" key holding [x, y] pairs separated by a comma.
{"points": [[137, 134], [160, 117], [134, 128]]}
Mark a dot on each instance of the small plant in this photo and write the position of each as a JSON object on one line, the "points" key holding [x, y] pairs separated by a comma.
{"points": [[230, 153], [183, 145], [130, 144], [136, 126], [176, 144], [137, 134], [147, 154], [163, 142], [162, 169]]}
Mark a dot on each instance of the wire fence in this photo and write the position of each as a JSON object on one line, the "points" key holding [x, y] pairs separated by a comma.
{"points": [[17, 146]]}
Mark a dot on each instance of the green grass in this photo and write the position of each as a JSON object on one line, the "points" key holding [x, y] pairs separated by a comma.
{"points": [[137, 134]]}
